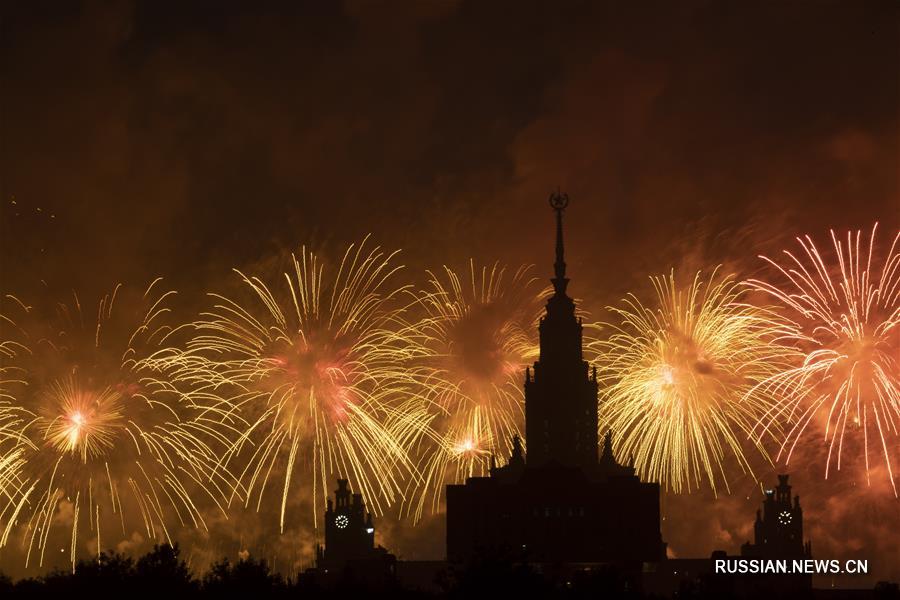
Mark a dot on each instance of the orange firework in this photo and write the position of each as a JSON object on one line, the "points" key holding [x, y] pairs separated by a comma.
{"points": [[844, 318]]}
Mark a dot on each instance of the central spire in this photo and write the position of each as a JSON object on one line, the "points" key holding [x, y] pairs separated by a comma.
{"points": [[559, 202], [560, 391]]}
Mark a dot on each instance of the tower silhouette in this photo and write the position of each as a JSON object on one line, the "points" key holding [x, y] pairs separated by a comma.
{"points": [[349, 532], [561, 394], [778, 529], [350, 553], [556, 502]]}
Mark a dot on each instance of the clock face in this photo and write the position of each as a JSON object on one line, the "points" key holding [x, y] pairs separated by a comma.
{"points": [[784, 517], [341, 521]]}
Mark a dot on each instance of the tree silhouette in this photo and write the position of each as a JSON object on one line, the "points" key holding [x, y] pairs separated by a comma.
{"points": [[161, 570], [6, 585], [886, 590], [243, 577]]}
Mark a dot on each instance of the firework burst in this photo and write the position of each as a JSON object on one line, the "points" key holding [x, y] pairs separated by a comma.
{"points": [[93, 439], [472, 344], [844, 319], [316, 364], [676, 378]]}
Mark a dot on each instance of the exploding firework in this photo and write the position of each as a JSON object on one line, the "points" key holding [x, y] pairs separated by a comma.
{"points": [[472, 344], [94, 440], [676, 379], [316, 365], [844, 319]]}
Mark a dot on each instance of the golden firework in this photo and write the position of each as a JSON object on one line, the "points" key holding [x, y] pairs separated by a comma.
{"points": [[92, 435], [317, 366], [80, 421], [676, 378]]}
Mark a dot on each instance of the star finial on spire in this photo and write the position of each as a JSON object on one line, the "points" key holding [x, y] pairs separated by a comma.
{"points": [[559, 202]]}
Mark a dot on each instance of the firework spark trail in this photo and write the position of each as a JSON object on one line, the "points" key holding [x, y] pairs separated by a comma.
{"points": [[90, 433], [472, 344], [845, 320], [676, 378], [317, 365]]}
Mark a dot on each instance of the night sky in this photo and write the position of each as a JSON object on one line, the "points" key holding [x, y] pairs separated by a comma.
{"points": [[183, 139]]}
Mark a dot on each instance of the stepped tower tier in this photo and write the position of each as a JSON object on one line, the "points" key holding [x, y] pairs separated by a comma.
{"points": [[561, 391]]}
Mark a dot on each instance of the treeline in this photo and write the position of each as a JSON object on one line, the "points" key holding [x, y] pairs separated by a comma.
{"points": [[161, 571]]}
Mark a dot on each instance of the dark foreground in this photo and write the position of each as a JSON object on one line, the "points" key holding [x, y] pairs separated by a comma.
{"points": [[162, 572]]}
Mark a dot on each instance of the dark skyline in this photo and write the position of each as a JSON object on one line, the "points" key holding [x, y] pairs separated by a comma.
{"points": [[144, 139]]}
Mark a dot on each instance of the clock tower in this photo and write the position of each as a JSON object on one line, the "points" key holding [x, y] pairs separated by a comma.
{"points": [[778, 530], [349, 532]]}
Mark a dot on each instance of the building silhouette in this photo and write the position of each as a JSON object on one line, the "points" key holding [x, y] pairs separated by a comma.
{"points": [[778, 535], [778, 530], [350, 539], [558, 503], [561, 506]]}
